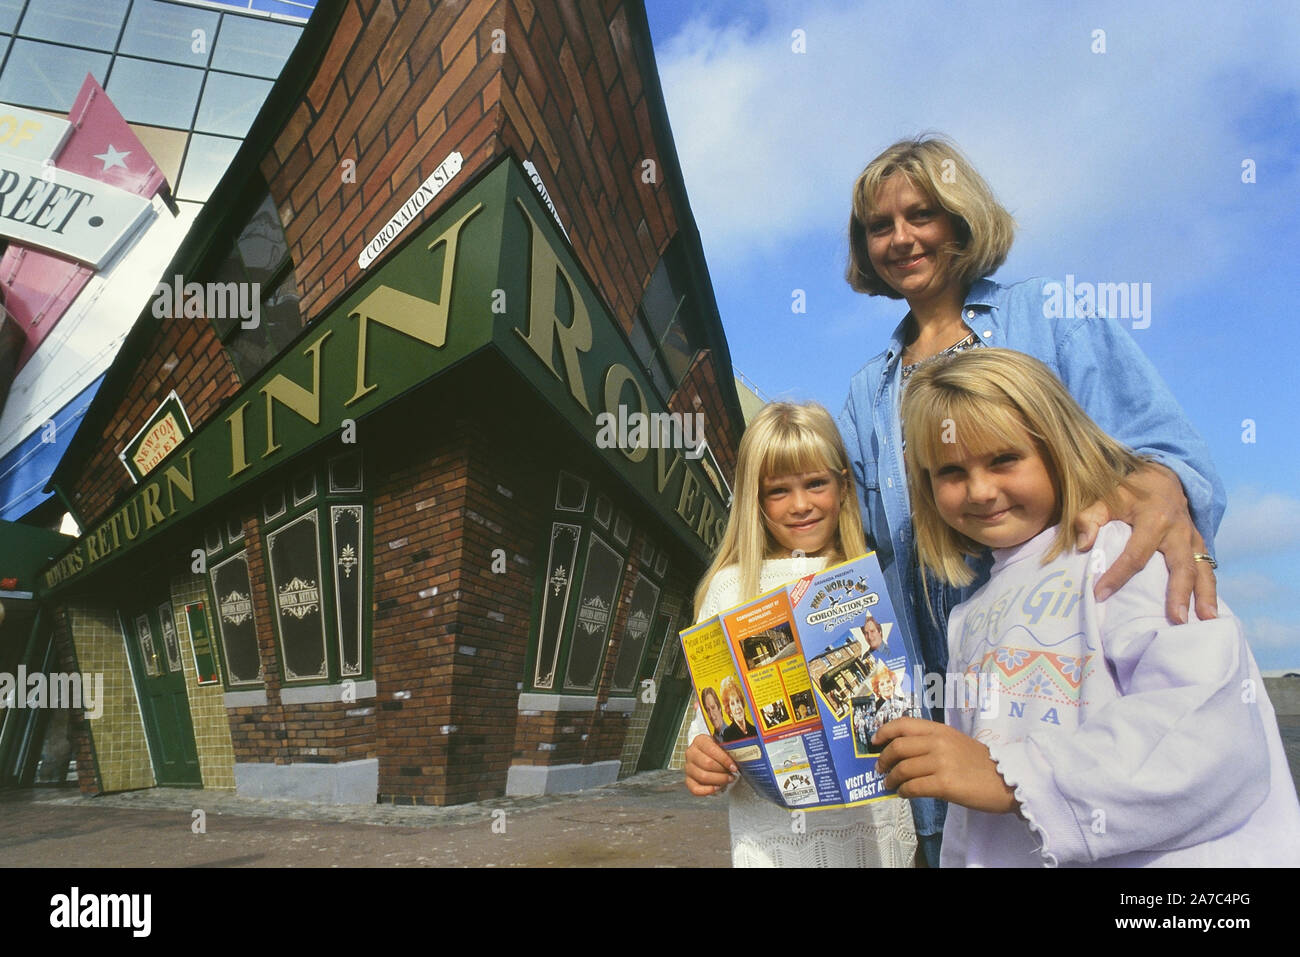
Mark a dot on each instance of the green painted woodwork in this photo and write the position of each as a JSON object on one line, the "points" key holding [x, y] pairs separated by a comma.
{"points": [[491, 271]]}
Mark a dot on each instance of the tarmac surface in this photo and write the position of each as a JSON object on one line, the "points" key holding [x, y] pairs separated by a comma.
{"points": [[648, 820]]}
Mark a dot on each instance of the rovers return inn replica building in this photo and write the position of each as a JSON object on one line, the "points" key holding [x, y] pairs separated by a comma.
{"points": [[370, 507]]}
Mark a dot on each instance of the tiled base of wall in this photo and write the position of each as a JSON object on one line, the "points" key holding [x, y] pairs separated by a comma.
{"points": [[117, 735]]}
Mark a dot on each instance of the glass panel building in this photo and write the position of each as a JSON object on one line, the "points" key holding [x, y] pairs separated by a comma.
{"points": [[194, 73]]}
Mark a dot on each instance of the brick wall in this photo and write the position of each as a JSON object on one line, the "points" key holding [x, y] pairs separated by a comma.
{"points": [[401, 86], [574, 105], [447, 499], [419, 493]]}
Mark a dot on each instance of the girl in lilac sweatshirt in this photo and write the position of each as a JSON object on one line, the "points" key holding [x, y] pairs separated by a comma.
{"points": [[1084, 732]]}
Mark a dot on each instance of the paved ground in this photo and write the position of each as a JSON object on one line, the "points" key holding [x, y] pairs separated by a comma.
{"points": [[646, 821]]}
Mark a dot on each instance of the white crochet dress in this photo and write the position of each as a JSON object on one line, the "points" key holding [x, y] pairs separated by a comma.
{"points": [[766, 835]]}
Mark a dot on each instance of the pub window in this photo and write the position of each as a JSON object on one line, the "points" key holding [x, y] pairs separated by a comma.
{"points": [[273, 505], [571, 493], [661, 564], [661, 335], [602, 575], [171, 644], [349, 569], [556, 591], [317, 557], [234, 528], [578, 590], [148, 651], [622, 529], [235, 623], [316, 568], [212, 539], [345, 473], [631, 650], [259, 265], [304, 488], [293, 551]]}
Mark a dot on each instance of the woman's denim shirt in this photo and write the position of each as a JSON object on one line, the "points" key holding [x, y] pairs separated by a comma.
{"points": [[1104, 370]]}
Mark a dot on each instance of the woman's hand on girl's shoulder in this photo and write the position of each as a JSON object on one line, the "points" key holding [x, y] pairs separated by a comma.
{"points": [[1157, 512], [709, 769]]}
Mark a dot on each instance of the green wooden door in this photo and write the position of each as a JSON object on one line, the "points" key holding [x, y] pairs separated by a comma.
{"points": [[671, 699], [154, 646]]}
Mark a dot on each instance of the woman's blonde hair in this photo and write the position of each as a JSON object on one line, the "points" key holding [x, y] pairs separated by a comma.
{"points": [[783, 439], [984, 401], [985, 230]]}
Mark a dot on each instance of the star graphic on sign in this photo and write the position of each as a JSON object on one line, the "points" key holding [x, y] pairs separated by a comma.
{"points": [[112, 157]]}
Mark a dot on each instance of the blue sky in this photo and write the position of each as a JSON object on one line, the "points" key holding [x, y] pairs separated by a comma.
{"points": [[1119, 166]]}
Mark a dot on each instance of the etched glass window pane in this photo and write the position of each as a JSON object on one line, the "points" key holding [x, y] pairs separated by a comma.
{"points": [[273, 504], [555, 600], [144, 634], [639, 616], [304, 487], [570, 493], [345, 473], [171, 642], [349, 575], [595, 612], [235, 619], [295, 577]]}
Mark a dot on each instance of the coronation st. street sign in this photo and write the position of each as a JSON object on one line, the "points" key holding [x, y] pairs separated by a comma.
{"points": [[489, 272]]}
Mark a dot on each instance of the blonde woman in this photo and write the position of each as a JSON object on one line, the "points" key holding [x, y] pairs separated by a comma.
{"points": [[926, 228]]}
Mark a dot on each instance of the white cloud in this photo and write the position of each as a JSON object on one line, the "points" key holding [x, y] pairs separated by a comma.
{"points": [[1258, 523], [1144, 139]]}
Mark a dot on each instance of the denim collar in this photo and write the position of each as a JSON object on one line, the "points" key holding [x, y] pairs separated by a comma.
{"points": [[983, 294]]}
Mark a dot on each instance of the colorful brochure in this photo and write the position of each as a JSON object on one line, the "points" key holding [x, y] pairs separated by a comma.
{"points": [[794, 683]]}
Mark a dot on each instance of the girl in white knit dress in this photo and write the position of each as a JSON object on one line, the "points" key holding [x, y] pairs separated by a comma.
{"points": [[795, 513]]}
